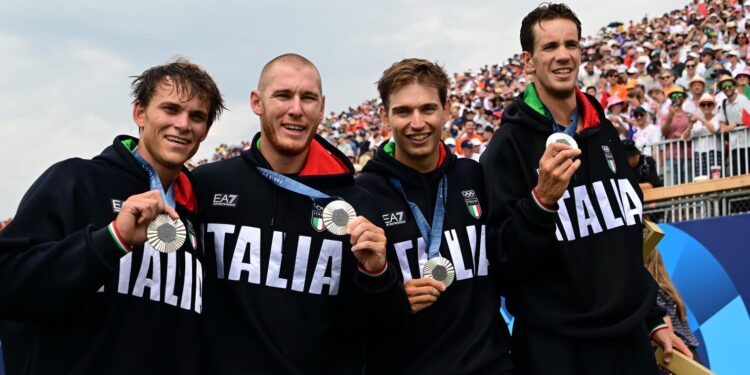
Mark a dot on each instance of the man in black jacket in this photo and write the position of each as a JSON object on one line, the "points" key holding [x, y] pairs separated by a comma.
{"points": [[86, 292], [291, 288], [432, 203], [566, 220]]}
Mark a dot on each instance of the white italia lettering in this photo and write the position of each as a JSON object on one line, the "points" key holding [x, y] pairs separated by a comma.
{"points": [[483, 263], [451, 239], [220, 231], [248, 236], [198, 286], [631, 204], [564, 216], [150, 263], [123, 282], [610, 220], [274, 262], [300, 263], [329, 250], [169, 296], [421, 255], [187, 285], [616, 190], [403, 260], [585, 212], [557, 232]]}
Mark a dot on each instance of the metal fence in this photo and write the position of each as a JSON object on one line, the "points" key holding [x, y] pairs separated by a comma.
{"points": [[680, 161], [701, 206]]}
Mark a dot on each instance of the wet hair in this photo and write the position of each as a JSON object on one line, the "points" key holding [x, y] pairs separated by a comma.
{"points": [[545, 12], [408, 71], [190, 80]]}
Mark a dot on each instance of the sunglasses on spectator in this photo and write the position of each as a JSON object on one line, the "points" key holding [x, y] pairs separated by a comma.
{"points": [[691, 66], [707, 105], [727, 86], [639, 115], [676, 95], [665, 77]]}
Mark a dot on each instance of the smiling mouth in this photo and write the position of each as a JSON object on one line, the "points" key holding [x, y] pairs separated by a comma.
{"points": [[179, 140], [562, 71], [418, 137], [294, 128]]}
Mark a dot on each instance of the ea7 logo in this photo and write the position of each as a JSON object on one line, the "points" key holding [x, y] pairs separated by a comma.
{"points": [[225, 200], [116, 205], [394, 218]]}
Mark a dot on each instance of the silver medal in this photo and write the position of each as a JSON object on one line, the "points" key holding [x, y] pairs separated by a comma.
{"points": [[562, 138], [166, 235], [440, 269], [337, 215]]}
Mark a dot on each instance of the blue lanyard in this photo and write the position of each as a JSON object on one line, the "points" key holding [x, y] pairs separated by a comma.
{"points": [[154, 181], [287, 183], [570, 129], [431, 234]]}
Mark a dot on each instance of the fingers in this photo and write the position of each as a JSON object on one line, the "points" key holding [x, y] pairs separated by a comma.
{"points": [[667, 352], [362, 230], [422, 293], [137, 212]]}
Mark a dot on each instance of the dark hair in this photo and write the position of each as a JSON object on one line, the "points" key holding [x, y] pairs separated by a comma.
{"points": [[408, 71], [187, 78], [544, 12]]}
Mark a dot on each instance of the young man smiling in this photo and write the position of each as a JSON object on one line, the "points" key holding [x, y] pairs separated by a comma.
{"points": [[432, 203], [94, 296], [289, 291], [566, 221]]}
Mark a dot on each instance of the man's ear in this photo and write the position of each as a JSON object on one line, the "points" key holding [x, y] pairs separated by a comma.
{"points": [[139, 115], [528, 62], [384, 118]]}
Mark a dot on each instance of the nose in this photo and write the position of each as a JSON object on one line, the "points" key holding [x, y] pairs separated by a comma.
{"points": [[417, 121], [295, 107], [182, 121]]}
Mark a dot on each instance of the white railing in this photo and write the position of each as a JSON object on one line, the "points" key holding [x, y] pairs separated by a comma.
{"points": [[680, 161], [699, 206]]}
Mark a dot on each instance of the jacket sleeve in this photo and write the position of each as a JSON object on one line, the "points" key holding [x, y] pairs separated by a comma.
{"points": [[520, 233], [51, 258], [380, 300]]}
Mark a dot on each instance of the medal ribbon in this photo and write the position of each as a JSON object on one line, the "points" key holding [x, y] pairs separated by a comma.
{"points": [[292, 185], [570, 129], [154, 181], [431, 234]]}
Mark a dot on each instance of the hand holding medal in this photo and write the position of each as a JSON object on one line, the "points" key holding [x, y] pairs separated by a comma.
{"points": [[137, 214], [556, 168], [368, 244]]}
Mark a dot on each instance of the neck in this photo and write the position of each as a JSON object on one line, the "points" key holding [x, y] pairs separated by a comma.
{"points": [[732, 97], [166, 175], [281, 163], [560, 108], [423, 165]]}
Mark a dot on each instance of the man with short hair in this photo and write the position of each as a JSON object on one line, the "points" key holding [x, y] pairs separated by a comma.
{"points": [[296, 275], [469, 132], [434, 215], [94, 296], [733, 111], [566, 221]]}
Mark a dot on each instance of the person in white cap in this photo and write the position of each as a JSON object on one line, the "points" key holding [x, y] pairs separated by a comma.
{"points": [[706, 147], [743, 82], [734, 64], [697, 89]]}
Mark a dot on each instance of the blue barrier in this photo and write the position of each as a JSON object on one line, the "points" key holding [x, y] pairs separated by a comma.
{"points": [[708, 262]]}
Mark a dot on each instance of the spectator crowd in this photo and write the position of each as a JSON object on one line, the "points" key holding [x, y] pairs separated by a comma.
{"points": [[677, 85]]}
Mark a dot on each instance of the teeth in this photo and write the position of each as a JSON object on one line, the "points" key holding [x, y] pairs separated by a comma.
{"points": [[418, 137], [177, 140], [563, 71], [294, 127]]}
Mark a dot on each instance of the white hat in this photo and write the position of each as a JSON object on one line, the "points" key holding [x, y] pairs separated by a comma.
{"points": [[643, 60], [450, 142], [476, 142]]}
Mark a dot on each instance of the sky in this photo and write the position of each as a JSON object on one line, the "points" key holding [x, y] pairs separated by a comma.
{"points": [[65, 66]]}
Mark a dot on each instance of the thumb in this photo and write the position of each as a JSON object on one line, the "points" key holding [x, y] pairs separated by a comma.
{"points": [[171, 212]]}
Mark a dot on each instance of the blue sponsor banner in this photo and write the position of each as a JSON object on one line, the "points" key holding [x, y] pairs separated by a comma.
{"points": [[708, 261]]}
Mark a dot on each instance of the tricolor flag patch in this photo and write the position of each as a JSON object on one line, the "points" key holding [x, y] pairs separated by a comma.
{"points": [[472, 203], [610, 159], [316, 218]]}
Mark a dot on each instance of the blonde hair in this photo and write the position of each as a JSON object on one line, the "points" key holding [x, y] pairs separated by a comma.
{"points": [[655, 266]]}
